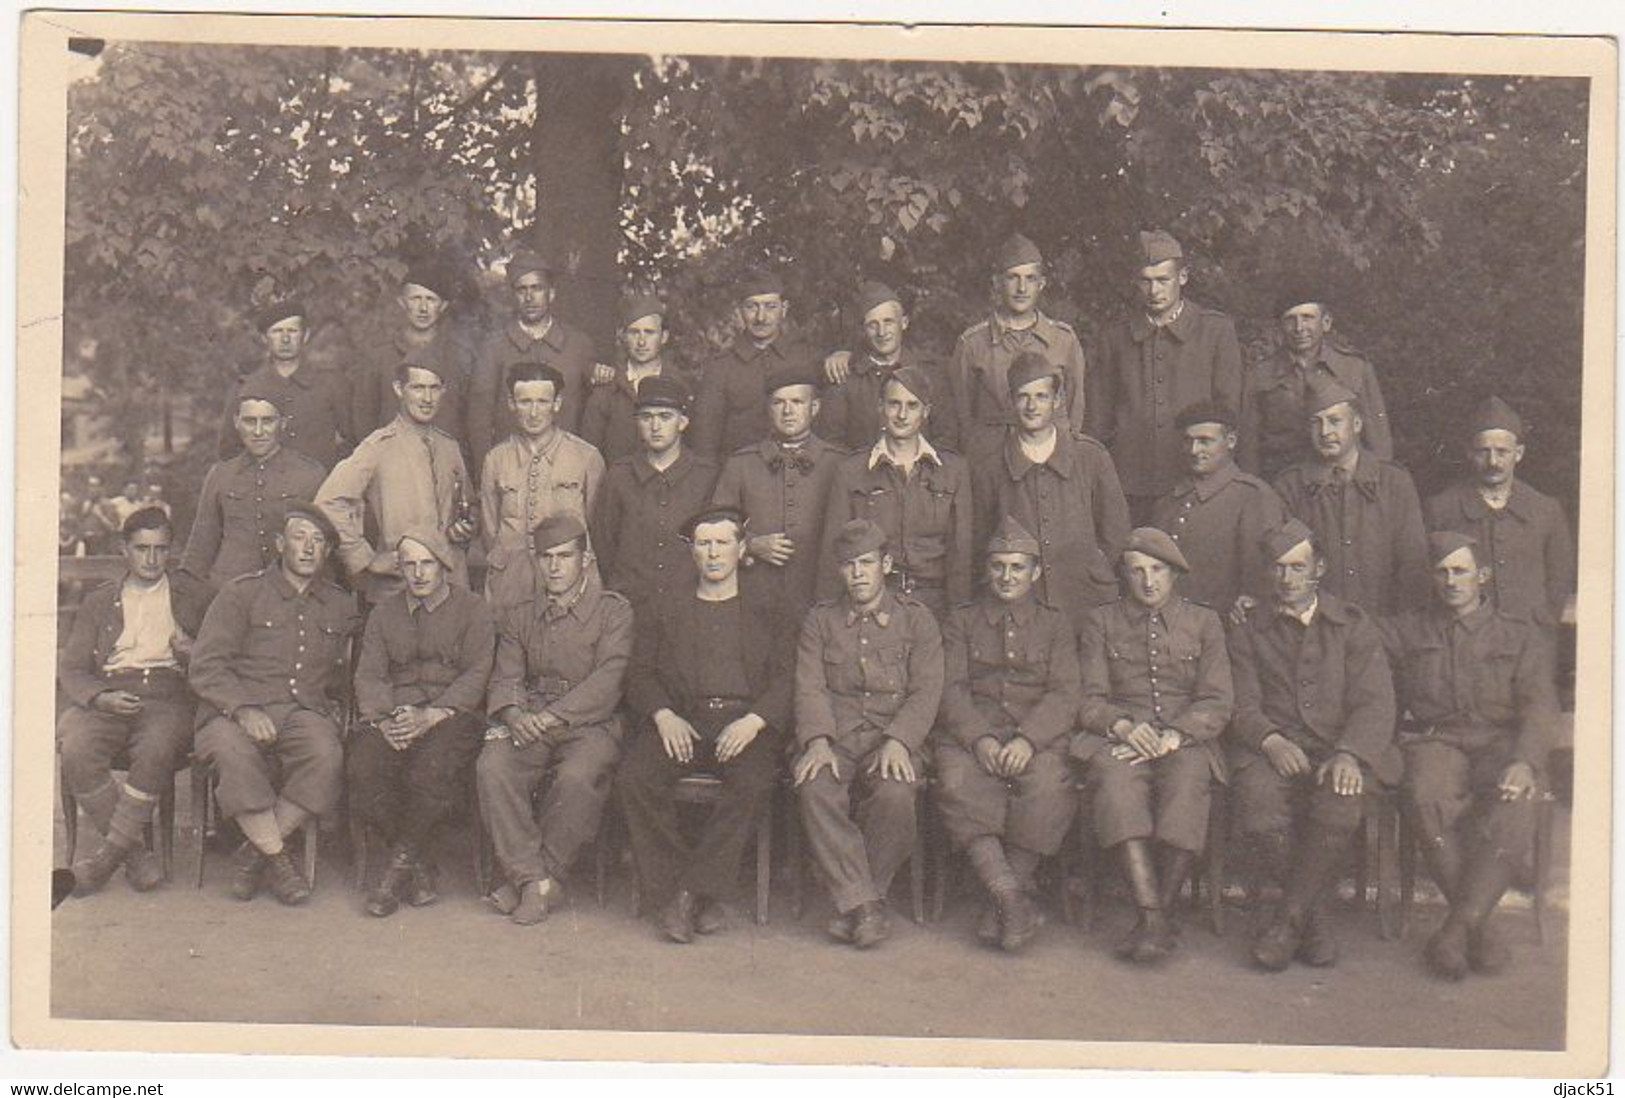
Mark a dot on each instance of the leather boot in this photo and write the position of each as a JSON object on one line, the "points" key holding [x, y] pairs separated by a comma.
{"points": [[1443, 857], [677, 917], [1150, 940], [285, 881], [870, 926], [1486, 879], [142, 870], [1172, 872], [420, 890], [92, 873], [536, 900], [1318, 863], [247, 867], [1318, 948], [1018, 919], [384, 899]]}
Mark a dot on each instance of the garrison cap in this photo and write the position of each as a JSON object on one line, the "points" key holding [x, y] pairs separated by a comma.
{"points": [[639, 306], [414, 361], [302, 509], [541, 370], [1012, 537], [872, 295], [1016, 251], [1442, 543], [857, 537], [529, 262], [661, 391], [278, 311], [1028, 367], [1324, 393], [717, 512], [793, 373], [759, 282], [1207, 411], [432, 540], [1154, 543], [1294, 296], [431, 276], [555, 530], [1156, 246], [914, 379], [1285, 538], [1495, 414]]}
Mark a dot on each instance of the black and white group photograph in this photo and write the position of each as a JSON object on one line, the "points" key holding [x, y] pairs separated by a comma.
{"points": [[1097, 549]]}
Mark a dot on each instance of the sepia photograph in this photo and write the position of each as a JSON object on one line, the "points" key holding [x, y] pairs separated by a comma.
{"points": [[967, 546]]}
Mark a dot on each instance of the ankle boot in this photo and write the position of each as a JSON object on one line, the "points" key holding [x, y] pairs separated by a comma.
{"points": [[1487, 877], [1172, 872], [1148, 940]]}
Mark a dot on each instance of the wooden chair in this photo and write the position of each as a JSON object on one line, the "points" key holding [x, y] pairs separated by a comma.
{"points": [[163, 832], [205, 819], [360, 835], [704, 790], [917, 862], [485, 858]]}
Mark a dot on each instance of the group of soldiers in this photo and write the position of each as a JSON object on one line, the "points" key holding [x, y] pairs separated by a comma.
{"points": [[1037, 585]]}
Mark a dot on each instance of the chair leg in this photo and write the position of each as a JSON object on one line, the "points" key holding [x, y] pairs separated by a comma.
{"points": [[70, 819], [917, 862], [1543, 863], [794, 856], [764, 865], [202, 806], [1407, 873], [358, 850], [1387, 854], [312, 829], [1215, 857], [166, 822]]}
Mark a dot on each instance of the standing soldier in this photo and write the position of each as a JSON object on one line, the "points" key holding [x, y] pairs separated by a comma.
{"points": [[1011, 696], [869, 678], [555, 688], [425, 658], [314, 402], [1477, 686], [1169, 354], [1061, 486], [851, 416], [782, 483], [420, 334], [1528, 551], [407, 476], [1273, 403], [269, 664], [122, 670], [978, 402], [710, 689], [243, 497], [1156, 695], [606, 420], [538, 471], [728, 412], [1217, 514], [636, 527], [1313, 730], [919, 496], [1363, 510]]}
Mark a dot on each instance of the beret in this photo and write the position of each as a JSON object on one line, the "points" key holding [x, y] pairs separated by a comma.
{"points": [[793, 373], [555, 530], [1495, 414], [1206, 411], [639, 306], [1154, 543], [528, 262], [872, 295], [857, 537], [299, 508], [256, 394], [1012, 537], [1280, 541], [431, 276], [661, 391], [914, 379], [1324, 393], [717, 512], [1028, 367], [545, 372], [432, 540], [1156, 246], [759, 282], [1442, 543], [278, 311], [1295, 296], [1016, 251], [425, 362]]}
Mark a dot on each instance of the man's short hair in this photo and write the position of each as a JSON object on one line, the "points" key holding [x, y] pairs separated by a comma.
{"points": [[403, 371], [147, 518], [534, 371]]}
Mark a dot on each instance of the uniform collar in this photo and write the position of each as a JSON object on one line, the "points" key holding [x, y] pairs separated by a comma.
{"points": [[1139, 614], [1022, 610], [547, 449], [1042, 328], [884, 610], [746, 351], [878, 453], [1473, 621], [430, 604], [643, 472], [1305, 619], [280, 584], [1318, 475], [863, 362], [1179, 327], [1517, 502], [1281, 368], [553, 337], [1063, 459], [1211, 486], [576, 603]]}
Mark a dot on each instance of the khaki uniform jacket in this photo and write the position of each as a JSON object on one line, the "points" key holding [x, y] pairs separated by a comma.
{"points": [[1218, 524], [730, 410], [1527, 544], [489, 419], [373, 403], [977, 409], [784, 492], [566, 659], [1012, 670], [1274, 431], [239, 512], [314, 403], [418, 656]]}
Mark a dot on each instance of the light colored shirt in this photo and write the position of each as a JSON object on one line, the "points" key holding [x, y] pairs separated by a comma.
{"points": [[1039, 452], [881, 452], [148, 639], [523, 483]]}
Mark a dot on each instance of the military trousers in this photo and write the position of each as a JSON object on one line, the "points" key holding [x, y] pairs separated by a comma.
{"points": [[1167, 798], [306, 759], [153, 742], [404, 795], [1453, 789], [859, 826], [1031, 811], [1265, 803]]}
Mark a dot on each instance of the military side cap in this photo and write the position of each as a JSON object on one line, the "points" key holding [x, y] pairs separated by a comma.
{"points": [[792, 373], [1016, 251], [555, 530], [1012, 537], [914, 379], [661, 391], [541, 370], [278, 311], [302, 509], [1295, 296], [431, 276], [1324, 393], [1285, 538], [1028, 367], [715, 513], [1206, 411], [1442, 543], [432, 540], [857, 537], [759, 282], [1495, 414], [416, 361], [1154, 543], [872, 295], [528, 262], [1156, 246], [639, 306]]}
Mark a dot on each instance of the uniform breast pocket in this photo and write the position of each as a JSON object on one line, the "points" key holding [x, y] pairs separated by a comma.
{"points": [[1187, 655], [267, 634], [888, 668], [871, 501], [939, 503], [568, 487]]}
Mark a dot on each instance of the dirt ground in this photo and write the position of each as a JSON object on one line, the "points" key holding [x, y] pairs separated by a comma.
{"points": [[180, 954]]}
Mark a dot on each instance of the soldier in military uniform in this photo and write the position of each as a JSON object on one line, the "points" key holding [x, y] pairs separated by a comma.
{"points": [[1169, 354], [851, 403], [977, 406], [407, 476], [539, 470], [728, 412], [1273, 399], [122, 669], [1061, 486], [1156, 694], [1216, 514], [1523, 534], [269, 665], [648, 495], [607, 419], [1011, 695], [561, 657], [783, 484], [1313, 731], [869, 678], [314, 402], [243, 497], [919, 495], [1364, 510]]}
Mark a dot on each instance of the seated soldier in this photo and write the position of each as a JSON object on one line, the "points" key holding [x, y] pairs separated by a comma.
{"points": [[1010, 698], [560, 659], [868, 681], [1313, 730], [269, 663], [709, 687], [1156, 695], [419, 683], [122, 670], [1477, 684]]}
